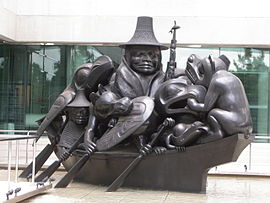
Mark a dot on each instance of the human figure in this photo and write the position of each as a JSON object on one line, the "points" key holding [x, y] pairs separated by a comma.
{"points": [[140, 72], [71, 115]]}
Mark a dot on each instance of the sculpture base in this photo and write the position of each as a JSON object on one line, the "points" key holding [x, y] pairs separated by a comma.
{"points": [[177, 171]]}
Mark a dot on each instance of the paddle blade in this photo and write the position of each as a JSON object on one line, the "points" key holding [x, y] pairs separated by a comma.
{"points": [[40, 160], [72, 172], [119, 181], [48, 172]]}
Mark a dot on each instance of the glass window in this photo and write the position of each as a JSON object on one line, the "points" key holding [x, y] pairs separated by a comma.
{"points": [[78, 55], [46, 70], [31, 79], [251, 66], [114, 52], [13, 86], [182, 54], [4, 87]]}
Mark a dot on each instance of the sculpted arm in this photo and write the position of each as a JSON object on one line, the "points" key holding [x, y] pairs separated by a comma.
{"points": [[57, 109], [89, 132], [210, 99]]}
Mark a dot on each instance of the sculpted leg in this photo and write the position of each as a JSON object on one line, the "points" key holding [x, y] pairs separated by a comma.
{"points": [[224, 123], [215, 127], [187, 134]]}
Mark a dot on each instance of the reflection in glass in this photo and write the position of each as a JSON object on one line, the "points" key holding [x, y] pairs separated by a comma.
{"points": [[78, 55], [251, 66]]}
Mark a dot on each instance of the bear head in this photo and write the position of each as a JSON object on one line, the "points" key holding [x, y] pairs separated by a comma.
{"points": [[200, 71]]}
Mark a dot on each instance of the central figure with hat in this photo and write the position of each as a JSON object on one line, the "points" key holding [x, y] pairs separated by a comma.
{"points": [[139, 75], [140, 72]]}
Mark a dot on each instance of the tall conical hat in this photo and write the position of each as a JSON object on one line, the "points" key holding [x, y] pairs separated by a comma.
{"points": [[144, 34]]}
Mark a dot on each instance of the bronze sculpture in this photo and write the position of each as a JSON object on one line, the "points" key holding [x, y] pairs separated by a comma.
{"points": [[140, 109]]}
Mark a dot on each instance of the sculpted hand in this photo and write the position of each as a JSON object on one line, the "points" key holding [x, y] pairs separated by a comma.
{"points": [[159, 150], [197, 92], [180, 149], [88, 144], [169, 122], [90, 147], [64, 154], [146, 149]]}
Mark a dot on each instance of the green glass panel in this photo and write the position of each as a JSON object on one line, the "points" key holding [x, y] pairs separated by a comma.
{"points": [[251, 66], [78, 55], [47, 80]]}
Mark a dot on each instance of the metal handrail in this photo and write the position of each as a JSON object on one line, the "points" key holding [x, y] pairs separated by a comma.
{"points": [[262, 137], [15, 137], [26, 134], [19, 131]]}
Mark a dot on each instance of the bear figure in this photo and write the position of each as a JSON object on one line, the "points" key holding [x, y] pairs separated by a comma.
{"points": [[225, 103]]}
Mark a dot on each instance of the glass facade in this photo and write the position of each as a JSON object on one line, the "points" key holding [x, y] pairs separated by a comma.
{"points": [[31, 77]]}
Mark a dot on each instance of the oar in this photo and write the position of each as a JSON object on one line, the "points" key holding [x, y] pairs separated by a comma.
{"points": [[72, 172], [40, 160], [55, 165], [120, 180]]}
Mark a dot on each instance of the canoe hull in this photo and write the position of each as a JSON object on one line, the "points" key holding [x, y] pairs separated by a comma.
{"points": [[175, 171]]}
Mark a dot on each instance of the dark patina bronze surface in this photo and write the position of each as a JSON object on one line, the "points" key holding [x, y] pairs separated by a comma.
{"points": [[138, 126]]}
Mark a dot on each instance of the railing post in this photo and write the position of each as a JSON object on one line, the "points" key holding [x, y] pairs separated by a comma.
{"points": [[9, 162], [249, 161], [17, 160], [26, 150], [34, 160]]}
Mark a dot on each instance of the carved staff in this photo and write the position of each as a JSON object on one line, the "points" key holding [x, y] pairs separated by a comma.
{"points": [[168, 122], [171, 65]]}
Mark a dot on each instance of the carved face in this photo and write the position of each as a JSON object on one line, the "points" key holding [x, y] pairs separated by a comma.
{"points": [[199, 71], [143, 59], [79, 115]]}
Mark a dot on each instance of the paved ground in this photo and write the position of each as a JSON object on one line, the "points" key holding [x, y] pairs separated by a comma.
{"points": [[220, 189]]}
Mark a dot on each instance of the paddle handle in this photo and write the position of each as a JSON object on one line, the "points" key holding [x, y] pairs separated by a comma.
{"points": [[64, 181], [55, 165], [75, 145], [120, 180]]}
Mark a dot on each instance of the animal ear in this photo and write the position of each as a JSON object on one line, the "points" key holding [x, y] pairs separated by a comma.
{"points": [[101, 89], [212, 63], [94, 97], [225, 60]]}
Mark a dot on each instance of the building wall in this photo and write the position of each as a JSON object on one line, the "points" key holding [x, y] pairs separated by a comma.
{"points": [[233, 23], [8, 20]]}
